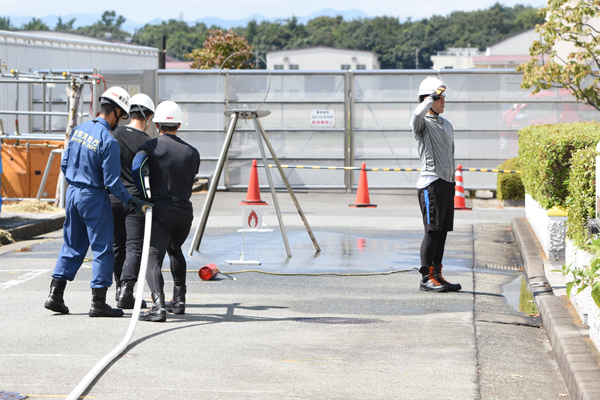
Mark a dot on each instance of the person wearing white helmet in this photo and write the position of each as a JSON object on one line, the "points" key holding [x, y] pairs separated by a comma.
{"points": [[164, 170], [92, 168], [128, 225], [435, 138]]}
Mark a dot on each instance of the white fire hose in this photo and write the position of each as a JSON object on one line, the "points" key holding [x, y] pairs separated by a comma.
{"points": [[85, 382]]}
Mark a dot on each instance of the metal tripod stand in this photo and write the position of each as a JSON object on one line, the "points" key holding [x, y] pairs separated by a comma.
{"points": [[233, 116]]}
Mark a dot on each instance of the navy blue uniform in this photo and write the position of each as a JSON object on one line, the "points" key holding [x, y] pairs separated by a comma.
{"points": [[172, 165], [91, 164]]}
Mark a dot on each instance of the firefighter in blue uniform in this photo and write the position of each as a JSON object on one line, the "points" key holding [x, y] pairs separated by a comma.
{"points": [[91, 164], [164, 170]]}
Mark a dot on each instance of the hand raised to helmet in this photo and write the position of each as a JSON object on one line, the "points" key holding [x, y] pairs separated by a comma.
{"points": [[437, 93]]}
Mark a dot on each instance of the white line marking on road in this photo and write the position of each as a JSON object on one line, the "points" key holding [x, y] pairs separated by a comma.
{"points": [[34, 273]]}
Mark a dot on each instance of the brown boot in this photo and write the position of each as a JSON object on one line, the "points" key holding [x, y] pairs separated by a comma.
{"points": [[429, 283], [450, 287]]}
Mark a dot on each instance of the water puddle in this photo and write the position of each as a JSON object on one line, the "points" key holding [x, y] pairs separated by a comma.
{"points": [[519, 296]]}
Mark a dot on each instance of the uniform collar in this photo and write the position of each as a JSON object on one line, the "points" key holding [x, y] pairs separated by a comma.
{"points": [[103, 122]]}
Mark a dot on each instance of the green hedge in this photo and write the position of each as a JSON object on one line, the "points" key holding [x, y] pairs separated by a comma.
{"points": [[510, 186], [581, 201], [546, 152]]}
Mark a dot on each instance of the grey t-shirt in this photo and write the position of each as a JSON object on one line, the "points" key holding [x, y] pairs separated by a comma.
{"points": [[435, 139]]}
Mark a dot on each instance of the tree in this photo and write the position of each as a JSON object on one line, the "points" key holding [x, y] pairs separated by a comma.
{"points": [[218, 46], [181, 38], [109, 19], [567, 24], [108, 23], [64, 27], [35, 25], [5, 24]]}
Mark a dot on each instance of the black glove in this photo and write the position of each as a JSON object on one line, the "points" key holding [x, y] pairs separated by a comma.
{"points": [[139, 205], [435, 95]]}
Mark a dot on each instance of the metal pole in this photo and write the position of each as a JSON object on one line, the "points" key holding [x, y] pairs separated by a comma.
{"points": [[44, 107], [50, 105], [47, 172], [287, 184], [17, 106], [213, 186], [257, 129]]}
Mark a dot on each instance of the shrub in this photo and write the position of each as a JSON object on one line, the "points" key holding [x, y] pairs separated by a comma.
{"points": [[510, 186], [546, 151], [581, 201]]}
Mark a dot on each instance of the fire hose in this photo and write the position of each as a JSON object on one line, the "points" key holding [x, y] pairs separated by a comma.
{"points": [[99, 367]]}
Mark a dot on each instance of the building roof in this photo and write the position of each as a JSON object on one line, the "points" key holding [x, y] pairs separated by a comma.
{"points": [[72, 38], [322, 47], [517, 44], [501, 59], [173, 63]]}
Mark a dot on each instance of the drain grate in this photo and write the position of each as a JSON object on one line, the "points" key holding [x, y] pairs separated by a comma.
{"points": [[502, 228], [339, 321], [510, 267]]}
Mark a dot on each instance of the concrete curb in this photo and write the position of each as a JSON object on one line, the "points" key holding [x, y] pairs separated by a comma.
{"points": [[35, 227], [577, 365]]}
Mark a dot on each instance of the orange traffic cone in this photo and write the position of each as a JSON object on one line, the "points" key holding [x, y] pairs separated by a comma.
{"points": [[253, 194], [362, 195], [459, 191]]}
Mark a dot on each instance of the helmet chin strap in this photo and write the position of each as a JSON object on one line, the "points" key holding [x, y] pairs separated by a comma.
{"points": [[433, 111], [116, 117]]}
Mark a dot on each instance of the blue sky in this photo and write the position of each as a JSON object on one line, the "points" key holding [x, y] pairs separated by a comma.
{"points": [[147, 10]]}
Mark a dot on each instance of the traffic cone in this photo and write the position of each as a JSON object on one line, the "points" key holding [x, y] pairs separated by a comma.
{"points": [[253, 194], [459, 191], [362, 195]]}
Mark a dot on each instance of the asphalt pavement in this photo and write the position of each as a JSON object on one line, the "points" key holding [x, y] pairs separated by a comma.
{"points": [[276, 334]]}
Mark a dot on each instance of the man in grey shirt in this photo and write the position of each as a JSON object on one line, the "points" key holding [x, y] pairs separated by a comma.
{"points": [[435, 138]]}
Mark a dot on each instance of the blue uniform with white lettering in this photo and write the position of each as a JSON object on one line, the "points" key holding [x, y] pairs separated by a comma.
{"points": [[91, 163]]}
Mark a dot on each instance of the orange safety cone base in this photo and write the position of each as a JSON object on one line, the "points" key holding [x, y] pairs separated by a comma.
{"points": [[254, 202], [362, 205]]}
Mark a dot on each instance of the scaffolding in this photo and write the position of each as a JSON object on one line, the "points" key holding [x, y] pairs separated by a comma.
{"points": [[75, 82]]}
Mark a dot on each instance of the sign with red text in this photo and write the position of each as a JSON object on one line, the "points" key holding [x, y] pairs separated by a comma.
{"points": [[322, 118]]}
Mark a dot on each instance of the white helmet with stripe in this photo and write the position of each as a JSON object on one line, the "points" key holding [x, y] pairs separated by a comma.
{"points": [[118, 96], [168, 113]]}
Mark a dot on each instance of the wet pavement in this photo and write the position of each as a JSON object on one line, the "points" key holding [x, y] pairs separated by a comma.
{"points": [[266, 336]]}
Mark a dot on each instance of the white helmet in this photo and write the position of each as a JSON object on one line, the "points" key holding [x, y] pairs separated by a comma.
{"points": [[429, 85], [119, 96], [168, 113], [142, 103]]}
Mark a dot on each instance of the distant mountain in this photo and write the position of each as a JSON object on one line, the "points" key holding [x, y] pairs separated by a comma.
{"points": [[130, 26], [348, 15]]}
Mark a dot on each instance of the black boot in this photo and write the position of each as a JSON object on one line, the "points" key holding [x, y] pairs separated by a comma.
{"points": [[177, 305], [99, 306], [157, 313], [450, 287], [126, 300], [428, 282], [117, 287], [55, 300]]}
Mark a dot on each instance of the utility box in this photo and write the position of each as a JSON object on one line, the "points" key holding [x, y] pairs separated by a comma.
{"points": [[23, 166]]}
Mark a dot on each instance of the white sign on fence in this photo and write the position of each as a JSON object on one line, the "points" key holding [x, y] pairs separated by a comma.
{"points": [[322, 118]]}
